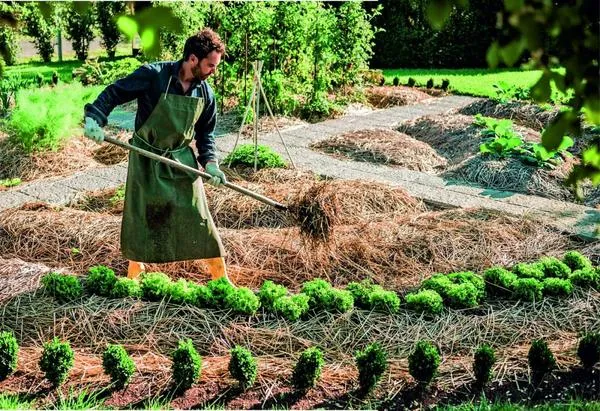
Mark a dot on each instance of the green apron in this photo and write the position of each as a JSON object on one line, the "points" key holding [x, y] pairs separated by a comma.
{"points": [[166, 216]]}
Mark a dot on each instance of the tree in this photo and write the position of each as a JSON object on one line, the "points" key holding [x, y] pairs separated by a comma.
{"points": [[79, 23], [106, 11]]}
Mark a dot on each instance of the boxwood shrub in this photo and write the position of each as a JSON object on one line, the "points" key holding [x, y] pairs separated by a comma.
{"points": [[56, 361], [499, 281], [118, 365], [100, 280], [588, 350], [371, 363], [63, 287], [540, 358], [307, 370], [187, 365], [553, 267], [425, 301], [126, 287], [423, 362], [483, 361], [243, 301], [9, 354], [243, 367], [576, 261], [557, 287], [527, 289]]}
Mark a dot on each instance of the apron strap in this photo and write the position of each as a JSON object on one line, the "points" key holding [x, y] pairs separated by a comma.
{"points": [[168, 85]]}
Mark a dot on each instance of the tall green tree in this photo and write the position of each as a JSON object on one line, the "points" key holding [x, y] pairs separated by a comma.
{"points": [[79, 24], [106, 13], [41, 29]]}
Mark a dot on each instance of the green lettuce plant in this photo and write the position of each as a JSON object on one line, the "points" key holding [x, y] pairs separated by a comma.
{"points": [[291, 307], [63, 287], [242, 301], [425, 301], [100, 280], [499, 281], [126, 287], [155, 286]]}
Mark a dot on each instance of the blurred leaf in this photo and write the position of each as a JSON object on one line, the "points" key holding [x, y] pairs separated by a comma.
{"points": [[493, 55], [541, 90], [552, 137], [127, 26], [591, 156], [81, 7], [148, 37], [438, 12], [559, 80], [46, 9], [512, 51], [513, 5], [592, 110]]}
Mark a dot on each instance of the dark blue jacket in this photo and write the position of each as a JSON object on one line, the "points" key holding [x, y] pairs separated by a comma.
{"points": [[146, 85]]}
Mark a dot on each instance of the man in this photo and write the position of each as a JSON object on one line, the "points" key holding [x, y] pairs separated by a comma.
{"points": [[166, 217]]}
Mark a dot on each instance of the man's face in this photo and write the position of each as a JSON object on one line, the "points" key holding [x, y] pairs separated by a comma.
{"points": [[207, 66]]}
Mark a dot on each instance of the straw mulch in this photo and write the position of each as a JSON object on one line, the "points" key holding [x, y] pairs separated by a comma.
{"points": [[387, 96], [529, 115], [17, 276], [397, 252], [384, 147], [109, 154]]}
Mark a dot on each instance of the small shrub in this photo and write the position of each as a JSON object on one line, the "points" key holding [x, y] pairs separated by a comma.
{"points": [[155, 286], [425, 301], [411, 82], [126, 287], [202, 296], [527, 289], [553, 267], [585, 278], [445, 84], [9, 354], [384, 300], [423, 362], [56, 361], [529, 270], [187, 365], [430, 83], [318, 292], [307, 370], [588, 350], [541, 360], [220, 289], [340, 301], [462, 296], [499, 281], [63, 287], [291, 307], [182, 292], [557, 287], [269, 292], [439, 283], [396, 81], [371, 363], [483, 361], [576, 261], [244, 156], [243, 367], [100, 280], [118, 365], [93, 72], [242, 301], [469, 277]]}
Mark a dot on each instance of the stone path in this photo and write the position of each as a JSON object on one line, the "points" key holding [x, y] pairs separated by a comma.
{"points": [[573, 218]]}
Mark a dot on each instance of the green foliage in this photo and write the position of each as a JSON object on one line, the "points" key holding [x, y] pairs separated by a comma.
{"points": [[553, 267], [429, 83], [371, 296], [576, 261], [63, 287], [464, 295], [187, 365], [43, 119], [220, 289], [307, 370], [9, 86], [202, 296], [269, 292], [445, 84], [94, 72], [396, 82], [243, 367], [529, 270], [182, 292], [193, 17], [242, 301], [322, 296], [106, 11], [14, 402], [469, 277], [506, 92], [9, 46], [244, 156], [292, 307], [41, 29], [499, 281], [423, 362], [483, 361], [56, 361], [411, 82], [501, 139], [540, 358], [527, 289], [588, 350], [317, 108], [9, 354], [438, 283], [155, 286], [537, 154], [425, 301], [126, 287], [118, 365], [371, 363], [557, 287], [585, 278], [10, 182], [100, 280], [79, 25], [458, 290]]}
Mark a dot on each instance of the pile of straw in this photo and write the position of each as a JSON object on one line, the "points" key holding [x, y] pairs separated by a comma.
{"points": [[383, 97]]}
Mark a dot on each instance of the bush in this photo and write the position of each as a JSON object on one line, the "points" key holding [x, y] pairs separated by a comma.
{"points": [[106, 12], [269, 292], [557, 287], [118, 365], [182, 292], [126, 287], [585, 278], [396, 81], [499, 281], [220, 289], [187, 365], [576, 261], [527, 289], [155, 286], [9, 45], [242, 301], [411, 82], [202, 296], [445, 84], [307, 370], [588, 350], [425, 301], [322, 296], [106, 72], [483, 361], [100, 280], [383, 300], [40, 29], [9, 354], [462, 296], [291, 307], [56, 361], [423, 362], [529, 270], [430, 83], [463, 277], [541, 360], [553, 267], [63, 287], [244, 156], [371, 363], [243, 367], [79, 29]]}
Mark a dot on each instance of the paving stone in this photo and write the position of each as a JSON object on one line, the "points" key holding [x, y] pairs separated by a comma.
{"points": [[13, 198], [54, 192], [116, 174], [83, 181]]}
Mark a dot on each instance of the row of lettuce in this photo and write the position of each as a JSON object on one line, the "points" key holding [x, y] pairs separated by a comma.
{"points": [[57, 360], [549, 276]]}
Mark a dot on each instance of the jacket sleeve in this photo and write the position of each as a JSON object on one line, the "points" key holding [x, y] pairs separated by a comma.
{"points": [[120, 92], [205, 127]]}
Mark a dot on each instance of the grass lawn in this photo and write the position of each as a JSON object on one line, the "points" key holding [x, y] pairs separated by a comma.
{"points": [[475, 82]]}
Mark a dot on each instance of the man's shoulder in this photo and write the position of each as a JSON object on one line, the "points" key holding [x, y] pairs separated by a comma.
{"points": [[161, 67], [206, 89]]}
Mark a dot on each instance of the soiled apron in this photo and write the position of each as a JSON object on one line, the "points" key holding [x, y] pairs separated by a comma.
{"points": [[166, 216]]}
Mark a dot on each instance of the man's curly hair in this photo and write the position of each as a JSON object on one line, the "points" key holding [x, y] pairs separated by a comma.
{"points": [[202, 43]]}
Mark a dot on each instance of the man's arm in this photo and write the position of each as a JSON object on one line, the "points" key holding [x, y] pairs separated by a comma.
{"points": [[205, 127], [120, 92]]}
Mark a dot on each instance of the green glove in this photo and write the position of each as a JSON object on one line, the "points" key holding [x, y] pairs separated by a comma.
{"points": [[218, 177], [93, 131]]}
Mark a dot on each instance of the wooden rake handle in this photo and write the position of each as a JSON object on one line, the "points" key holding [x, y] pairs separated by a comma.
{"points": [[206, 176]]}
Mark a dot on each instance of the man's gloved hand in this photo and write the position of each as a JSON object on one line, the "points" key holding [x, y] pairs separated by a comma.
{"points": [[92, 130], [218, 177]]}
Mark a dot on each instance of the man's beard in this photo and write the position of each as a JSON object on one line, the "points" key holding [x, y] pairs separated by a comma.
{"points": [[197, 73]]}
